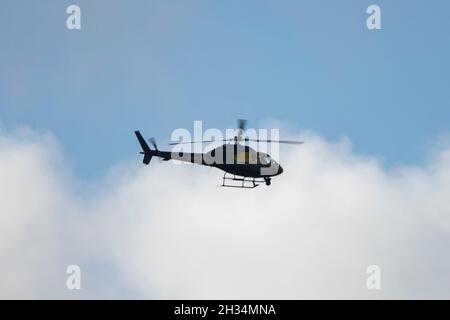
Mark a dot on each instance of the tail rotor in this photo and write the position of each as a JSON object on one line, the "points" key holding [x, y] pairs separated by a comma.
{"points": [[153, 143]]}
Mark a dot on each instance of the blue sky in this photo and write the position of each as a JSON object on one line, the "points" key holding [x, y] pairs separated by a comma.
{"points": [[159, 65]]}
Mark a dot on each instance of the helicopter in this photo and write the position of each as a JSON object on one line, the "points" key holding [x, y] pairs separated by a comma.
{"points": [[243, 165]]}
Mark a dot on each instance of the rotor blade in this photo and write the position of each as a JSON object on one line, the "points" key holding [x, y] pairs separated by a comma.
{"points": [[277, 141], [153, 142], [202, 141], [242, 124]]}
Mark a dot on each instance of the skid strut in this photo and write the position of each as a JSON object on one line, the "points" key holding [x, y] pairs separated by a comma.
{"points": [[244, 182]]}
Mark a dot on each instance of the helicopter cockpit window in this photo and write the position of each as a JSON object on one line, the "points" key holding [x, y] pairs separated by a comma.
{"points": [[265, 159]]}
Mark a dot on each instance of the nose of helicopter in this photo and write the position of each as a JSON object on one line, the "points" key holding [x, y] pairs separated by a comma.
{"points": [[280, 170]]}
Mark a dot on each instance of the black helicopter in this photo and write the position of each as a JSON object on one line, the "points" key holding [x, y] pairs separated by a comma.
{"points": [[245, 164]]}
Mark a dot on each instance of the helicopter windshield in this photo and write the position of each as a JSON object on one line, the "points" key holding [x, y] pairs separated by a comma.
{"points": [[264, 159]]}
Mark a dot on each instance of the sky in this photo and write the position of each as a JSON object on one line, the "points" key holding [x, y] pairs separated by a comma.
{"points": [[160, 65], [369, 187]]}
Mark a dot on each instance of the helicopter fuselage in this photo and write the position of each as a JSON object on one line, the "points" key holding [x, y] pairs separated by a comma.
{"points": [[232, 158]]}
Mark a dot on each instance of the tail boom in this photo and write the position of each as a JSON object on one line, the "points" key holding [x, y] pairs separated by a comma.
{"points": [[167, 155]]}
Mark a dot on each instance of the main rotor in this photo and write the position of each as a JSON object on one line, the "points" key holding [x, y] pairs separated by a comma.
{"points": [[239, 137]]}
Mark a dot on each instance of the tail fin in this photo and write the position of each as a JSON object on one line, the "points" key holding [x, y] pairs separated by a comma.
{"points": [[147, 152]]}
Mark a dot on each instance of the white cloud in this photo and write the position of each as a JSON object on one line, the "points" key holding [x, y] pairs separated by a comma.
{"points": [[168, 231]]}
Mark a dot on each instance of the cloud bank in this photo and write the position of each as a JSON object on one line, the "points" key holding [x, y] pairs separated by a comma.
{"points": [[168, 231]]}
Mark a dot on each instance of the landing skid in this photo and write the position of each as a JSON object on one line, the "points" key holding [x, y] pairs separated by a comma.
{"points": [[243, 182]]}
